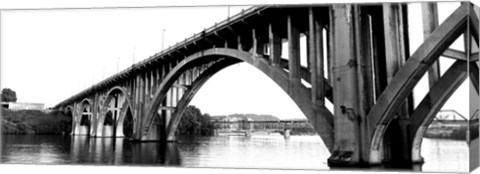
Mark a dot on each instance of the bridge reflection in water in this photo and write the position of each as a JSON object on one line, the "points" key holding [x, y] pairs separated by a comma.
{"points": [[272, 151], [119, 151]]}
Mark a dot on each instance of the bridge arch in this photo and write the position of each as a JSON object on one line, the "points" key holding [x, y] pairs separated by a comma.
{"points": [[405, 79], [121, 102], [189, 94], [126, 123], [318, 115], [84, 120], [428, 108], [68, 111], [68, 108]]}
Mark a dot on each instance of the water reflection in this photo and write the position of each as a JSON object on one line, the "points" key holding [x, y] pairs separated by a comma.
{"points": [[445, 155], [297, 152], [119, 151], [30, 149]]}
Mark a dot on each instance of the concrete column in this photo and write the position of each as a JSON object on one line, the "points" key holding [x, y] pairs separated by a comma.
{"points": [[137, 110], [430, 22], [239, 43], [141, 106], [315, 50], [155, 80], [366, 90], [121, 116], [146, 84], [152, 86], [169, 98], [93, 118], [293, 50], [346, 148], [275, 44], [160, 75], [397, 145], [74, 118], [255, 41]]}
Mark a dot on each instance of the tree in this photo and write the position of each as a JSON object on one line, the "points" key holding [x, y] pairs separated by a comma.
{"points": [[9, 95], [193, 122]]}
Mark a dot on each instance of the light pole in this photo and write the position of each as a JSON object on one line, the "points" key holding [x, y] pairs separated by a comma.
{"points": [[118, 60], [163, 37], [134, 54]]}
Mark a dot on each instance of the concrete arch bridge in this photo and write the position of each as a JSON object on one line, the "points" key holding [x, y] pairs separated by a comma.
{"points": [[358, 58]]}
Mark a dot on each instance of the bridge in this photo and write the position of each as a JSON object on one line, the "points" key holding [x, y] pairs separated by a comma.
{"points": [[442, 118], [358, 59], [450, 117], [262, 125]]}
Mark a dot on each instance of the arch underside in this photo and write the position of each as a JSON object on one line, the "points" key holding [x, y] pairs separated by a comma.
{"points": [[84, 108], [410, 74], [438, 95], [318, 115], [117, 127]]}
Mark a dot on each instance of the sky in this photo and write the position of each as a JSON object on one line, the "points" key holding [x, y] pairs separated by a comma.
{"points": [[50, 55]]}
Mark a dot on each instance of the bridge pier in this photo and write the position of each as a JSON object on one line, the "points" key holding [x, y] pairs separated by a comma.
{"points": [[369, 48], [397, 145], [347, 149]]}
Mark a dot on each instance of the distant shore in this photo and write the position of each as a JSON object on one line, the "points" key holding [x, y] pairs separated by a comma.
{"points": [[36, 122], [459, 133]]}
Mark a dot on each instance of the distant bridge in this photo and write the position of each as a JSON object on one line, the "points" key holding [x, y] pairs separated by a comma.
{"points": [[450, 117], [443, 117], [262, 125], [358, 58]]}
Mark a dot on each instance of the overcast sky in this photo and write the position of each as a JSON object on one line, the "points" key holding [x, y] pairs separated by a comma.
{"points": [[50, 55]]}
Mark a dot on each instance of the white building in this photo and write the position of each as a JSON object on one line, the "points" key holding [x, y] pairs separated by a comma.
{"points": [[23, 106]]}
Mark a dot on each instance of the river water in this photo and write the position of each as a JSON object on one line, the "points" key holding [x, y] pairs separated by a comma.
{"points": [[265, 151]]}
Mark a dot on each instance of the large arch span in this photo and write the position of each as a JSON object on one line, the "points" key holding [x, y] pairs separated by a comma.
{"points": [[318, 115]]}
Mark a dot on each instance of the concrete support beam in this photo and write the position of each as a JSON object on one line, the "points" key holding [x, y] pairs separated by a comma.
{"points": [[430, 22], [258, 43], [366, 89], [152, 86], [346, 150], [315, 56], [474, 75], [239, 43], [474, 23], [137, 131], [396, 147], [155, 79], [181, 86], [275, 43], [141, 105], [168, 108], [293, 50], [455, 54]]}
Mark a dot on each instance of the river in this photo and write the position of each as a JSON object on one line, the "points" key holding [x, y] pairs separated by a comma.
{"points": [[265, 151]]}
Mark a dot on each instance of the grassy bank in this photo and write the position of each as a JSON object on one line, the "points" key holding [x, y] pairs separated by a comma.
{"points": [[35, 122]]}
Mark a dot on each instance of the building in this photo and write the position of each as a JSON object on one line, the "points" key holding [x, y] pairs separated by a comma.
{"points": [[23, 106]]}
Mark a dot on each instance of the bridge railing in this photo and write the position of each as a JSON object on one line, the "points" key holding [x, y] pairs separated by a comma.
{"points": [[196, 37]]}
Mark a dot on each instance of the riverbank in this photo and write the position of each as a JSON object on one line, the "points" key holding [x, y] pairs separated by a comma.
{"points": [[35, 122], [459, 133]]}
